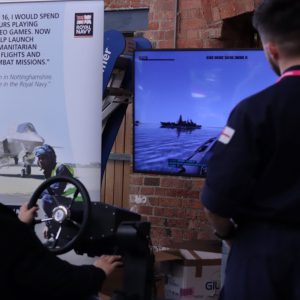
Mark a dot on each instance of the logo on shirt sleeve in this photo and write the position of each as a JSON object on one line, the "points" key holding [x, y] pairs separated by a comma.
{"points": [[226, 135]]}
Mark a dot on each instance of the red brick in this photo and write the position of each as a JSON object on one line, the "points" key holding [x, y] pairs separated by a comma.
{"points": [[139, 4], [188, 4], [134, 190], [158, 232], [136, 180], [216, 15], [155, 16], [145, 210], [158, 35], [188, 184], [190, 235], [172, 182], [204, 34], [197, 13], [180, 213], [208, 15], [126, 3], [159, 211], [165, 4], [177, 233], [166, 212], [154, 25], [153, 201], [177, 223], [163, 242], [157, 221], [145, 218], [166, 25], [191, 203], [148, 191], [197, 184], [213, 43], [169, 35], [172, 202], [170, 212], [227, 10], [192, 34], [166, 15], [215, 32], [183, 44], [194, 23], [194, 224], [243, 6], [166, 192], [152, 181], [188, 194], [206, 232], [192, 213]]}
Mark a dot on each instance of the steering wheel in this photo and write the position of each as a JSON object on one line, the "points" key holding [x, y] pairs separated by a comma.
{"points": [[66, 209]]}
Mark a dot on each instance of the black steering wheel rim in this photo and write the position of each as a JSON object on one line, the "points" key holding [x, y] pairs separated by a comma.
{"points": [[80, 189]]}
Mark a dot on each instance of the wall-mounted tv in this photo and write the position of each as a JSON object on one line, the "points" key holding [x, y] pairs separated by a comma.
{"points": [[182, 99]]}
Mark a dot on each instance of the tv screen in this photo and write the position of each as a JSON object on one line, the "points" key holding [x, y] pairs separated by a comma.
{"points": [[182, 99]]}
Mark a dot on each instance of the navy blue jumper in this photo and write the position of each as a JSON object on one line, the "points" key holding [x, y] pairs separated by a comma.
{"points": [[254, 178]]}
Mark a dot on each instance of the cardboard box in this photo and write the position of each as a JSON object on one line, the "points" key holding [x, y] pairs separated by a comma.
{"points": [[181, 274], [115, 281], [195, 275]]}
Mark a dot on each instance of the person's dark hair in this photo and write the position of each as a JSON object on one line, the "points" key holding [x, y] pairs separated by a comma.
{"points": [[279, 20]]}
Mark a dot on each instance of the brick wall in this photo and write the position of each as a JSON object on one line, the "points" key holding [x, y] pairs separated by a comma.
{"points": [[125, 4], [172, 204], [192, 23]]}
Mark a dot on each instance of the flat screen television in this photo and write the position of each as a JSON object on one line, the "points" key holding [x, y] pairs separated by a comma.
{"points": [[182, 100]]}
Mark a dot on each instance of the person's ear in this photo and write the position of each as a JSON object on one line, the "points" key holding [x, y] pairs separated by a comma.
{"points": [[272, 50]]}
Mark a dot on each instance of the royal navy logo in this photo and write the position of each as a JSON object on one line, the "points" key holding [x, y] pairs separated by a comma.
{"points": [[84, 25]]}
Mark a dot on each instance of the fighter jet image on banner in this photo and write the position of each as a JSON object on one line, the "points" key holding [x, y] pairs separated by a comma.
{"points": [[19, 145]]}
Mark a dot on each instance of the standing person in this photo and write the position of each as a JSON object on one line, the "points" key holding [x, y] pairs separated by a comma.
{"points": [[29, 271], [252, 191]]}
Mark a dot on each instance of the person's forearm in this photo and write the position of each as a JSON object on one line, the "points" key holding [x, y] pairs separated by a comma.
{"points": [[223, 226]]}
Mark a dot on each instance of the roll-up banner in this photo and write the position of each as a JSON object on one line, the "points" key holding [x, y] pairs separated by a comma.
{"points": [[50, 92]]}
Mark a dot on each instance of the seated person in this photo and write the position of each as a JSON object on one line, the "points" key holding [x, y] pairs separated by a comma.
{"points": [[28, 270]]}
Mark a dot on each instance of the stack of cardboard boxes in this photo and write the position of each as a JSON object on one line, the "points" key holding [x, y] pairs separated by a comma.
{"points": [[194, 275], [187, 271]]}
